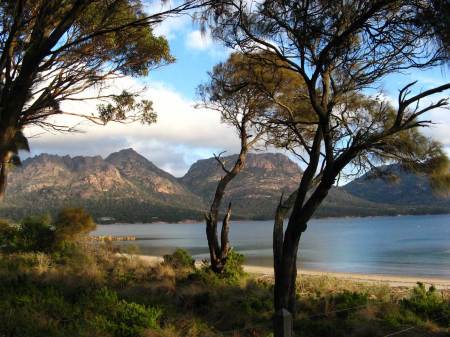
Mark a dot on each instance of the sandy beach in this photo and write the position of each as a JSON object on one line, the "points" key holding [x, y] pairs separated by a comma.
{"points": [[391, 280]]}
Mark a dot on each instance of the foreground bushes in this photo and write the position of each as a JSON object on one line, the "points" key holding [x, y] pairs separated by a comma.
{"points": [[180, 259], [89, 290], [42, 234], [48, 310], [428, 304]]}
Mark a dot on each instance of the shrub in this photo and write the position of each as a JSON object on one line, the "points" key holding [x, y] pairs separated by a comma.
{"points": [[36, 234], [41, 234], [428, 304], [232, 272], [180, 259], [72, 223], [233, 269], [8, 236], [398, 316], [122, 318], [347, 301], [33, 310]]}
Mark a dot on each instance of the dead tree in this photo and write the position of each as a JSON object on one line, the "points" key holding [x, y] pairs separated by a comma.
{"points": [[240, 104]]}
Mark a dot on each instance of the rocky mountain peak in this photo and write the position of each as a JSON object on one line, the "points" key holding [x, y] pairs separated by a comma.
{"points": [[129, 187], [129, 153]]}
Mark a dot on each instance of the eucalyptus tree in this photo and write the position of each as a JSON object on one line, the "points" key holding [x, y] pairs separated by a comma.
{"points": [[435, 17], [340, 50], [54, 50], [231, 92]]}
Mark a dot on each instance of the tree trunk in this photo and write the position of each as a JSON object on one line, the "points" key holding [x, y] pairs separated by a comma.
{"points": [[7, 135], [287, 275], [218, 253], [4, 160], [3, 180], [286, 248], [278, 251], [224, 240], [213, 244]]}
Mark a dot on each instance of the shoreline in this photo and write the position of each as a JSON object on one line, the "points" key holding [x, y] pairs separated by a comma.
{"points": [[191, 221], [390, 280]]}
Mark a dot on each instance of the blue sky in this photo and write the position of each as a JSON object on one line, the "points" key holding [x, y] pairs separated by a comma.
{"points": [[184, 134]]}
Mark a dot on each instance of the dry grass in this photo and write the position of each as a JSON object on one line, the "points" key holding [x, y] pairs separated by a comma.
{"points": [[195, 303]]}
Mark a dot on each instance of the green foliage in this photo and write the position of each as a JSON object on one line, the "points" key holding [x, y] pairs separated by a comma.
{"points": [[83, 289], [233, 269], [180, 259], [397, 316], [428, 304], [32, 311], [41, 234], [8, 236], [36, 234], [123, 103], [421, 307], [122, 318], [134, 48], [71, 223], [127, 210], [232, 273], [348, 299]]}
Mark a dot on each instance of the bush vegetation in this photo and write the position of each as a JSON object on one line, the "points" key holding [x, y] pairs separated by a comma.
{"points": [[42, 234], [179, 259], [80, 287]]}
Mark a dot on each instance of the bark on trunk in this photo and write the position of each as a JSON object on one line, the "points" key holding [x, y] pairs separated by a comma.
{"points": [[218, 253], [286, 248], [211, 236], [4, 159], [288, 274], [278, 251], [3, 180], [224, 240], [6, 137]]}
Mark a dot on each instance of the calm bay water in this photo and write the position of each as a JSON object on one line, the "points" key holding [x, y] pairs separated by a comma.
{"points": [[403, 245]]}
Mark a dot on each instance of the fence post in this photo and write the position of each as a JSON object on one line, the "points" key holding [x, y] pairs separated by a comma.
{"points": [[283, 323]]}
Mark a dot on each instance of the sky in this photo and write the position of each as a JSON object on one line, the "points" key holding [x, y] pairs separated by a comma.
{"points": [[183, 133]]}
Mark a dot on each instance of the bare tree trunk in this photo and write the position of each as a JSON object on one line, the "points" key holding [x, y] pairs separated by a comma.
{"points": [[213, 242], [218, 253]]}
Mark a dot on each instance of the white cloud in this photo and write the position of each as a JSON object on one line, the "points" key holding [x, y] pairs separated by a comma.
{"points": [[440, 117], [172, 26], [198, 40], [182, 134], [440, 130]]}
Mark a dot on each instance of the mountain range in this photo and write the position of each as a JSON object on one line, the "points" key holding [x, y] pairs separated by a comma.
{"points": [[126, 187]]}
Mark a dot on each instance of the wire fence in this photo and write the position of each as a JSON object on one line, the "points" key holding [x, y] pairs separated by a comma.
{"points": [[325, 314], [263, 326], [399, 332]]}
